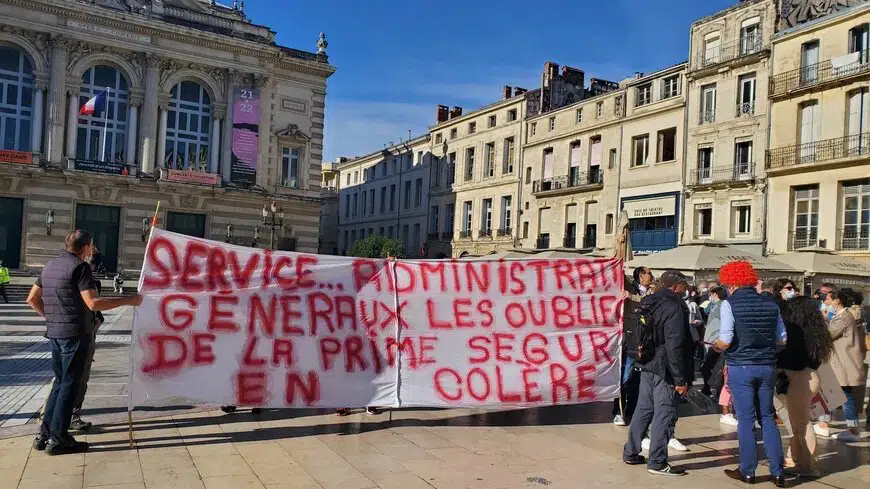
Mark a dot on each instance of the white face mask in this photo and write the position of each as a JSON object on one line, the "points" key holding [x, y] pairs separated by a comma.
{"points": [[789, 294]]}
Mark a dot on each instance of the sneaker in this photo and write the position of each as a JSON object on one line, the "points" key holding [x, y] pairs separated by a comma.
{"points": [[823, 432], [54, 447], [372, 410], [676, 445], [728, 419], [228, 409], [342, 412], [668, 470], [848, 437], [39, 443], [644, 444], [79, 424], [618, 420], [635, 460]]}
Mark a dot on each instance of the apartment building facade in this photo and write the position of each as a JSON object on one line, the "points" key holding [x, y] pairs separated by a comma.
{"points": [[818, 165], [475, 176], [385, 193], [727, 118]]}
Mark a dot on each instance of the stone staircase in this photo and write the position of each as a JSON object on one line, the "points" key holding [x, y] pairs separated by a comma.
{"points": [[19, 288]]}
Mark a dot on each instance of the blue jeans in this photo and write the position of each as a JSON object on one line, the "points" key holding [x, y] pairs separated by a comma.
{"points": [[854, 397], [751, 386], [68, 360]]}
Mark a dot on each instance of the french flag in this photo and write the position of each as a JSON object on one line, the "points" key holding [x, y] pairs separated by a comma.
{"points": [[96, 104]]}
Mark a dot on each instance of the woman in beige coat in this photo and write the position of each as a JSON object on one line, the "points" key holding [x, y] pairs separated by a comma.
{"points": [[847, 362]]}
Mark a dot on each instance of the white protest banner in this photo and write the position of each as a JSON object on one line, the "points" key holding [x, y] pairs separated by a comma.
{"points": [[244, 326]]}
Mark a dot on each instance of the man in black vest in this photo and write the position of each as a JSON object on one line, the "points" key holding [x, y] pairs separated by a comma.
{"points": [[749, 330], [66, 296], [664, 378]]}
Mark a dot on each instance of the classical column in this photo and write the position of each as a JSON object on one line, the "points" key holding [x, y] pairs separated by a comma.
{"points": [[57, 99], [161, 136], [72, 123], [148, 131], [36, 121], [262, 83], [214, 146], [131, 131], [234, 79]]}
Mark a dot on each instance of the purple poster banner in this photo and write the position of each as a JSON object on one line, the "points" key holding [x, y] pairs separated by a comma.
{"points": [[246, 135]]}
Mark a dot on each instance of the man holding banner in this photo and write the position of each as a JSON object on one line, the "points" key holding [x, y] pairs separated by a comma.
{"points": [[66, 295]]}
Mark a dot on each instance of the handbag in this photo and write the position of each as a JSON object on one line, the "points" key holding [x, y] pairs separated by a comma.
{"points": [[781, 386]]}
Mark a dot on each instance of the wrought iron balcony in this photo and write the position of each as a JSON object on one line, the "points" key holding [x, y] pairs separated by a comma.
{"points": [[465, 234], [819, 151], [566, 182], [825, 72], [447, 236], [855, 238], [504, 233], [741, 48], [739, 172], [543, 242], [485, 233], [432, 236], [707, 117], [804, 238], [569, 241], [745, 108]]}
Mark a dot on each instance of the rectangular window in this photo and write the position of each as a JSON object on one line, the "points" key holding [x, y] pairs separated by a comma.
{"points": [[512, 115], [486, 218], [743, 160], [547, 169], [392, 197], [579, 116], [384, 198], [608, 224], [858, 42], [466, 218], [525, 229], [533, 128], [415, 238], [639, 150], [453, 133], [418, 192], [576, 162], [451, 169], [599, 110], [506, 215], [353, 237], [435, 171], [528, 175], [611, 160], [419, 158], [643, 95], [407, 195], [490, 122], [489, 160], [371, 201], [856, 216], [395, 166], [406, 238], [472, 127], [741, 218], [712, 49], [383, 165], [449, 218], [857, 126], [746, 95], [381, 231], [703, 220], [810, 131], [469, 164], [347, 205], [670, 86], [390, 232], [355, 177], [439, 138], [346, 240], [809, 63], [290, 158], [348, 179], [708, 104], [750, 37], [595, 151], [806, 217], [433, 222], [508, 157], [666, 149], [355, 204], [705, 165], [552, 123], [364, 206]]}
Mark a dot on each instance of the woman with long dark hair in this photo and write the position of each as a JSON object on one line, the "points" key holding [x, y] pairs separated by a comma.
{"points": [[809, 345]]}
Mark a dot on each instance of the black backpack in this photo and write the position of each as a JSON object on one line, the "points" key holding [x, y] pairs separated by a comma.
{"points": [[638, 332]]}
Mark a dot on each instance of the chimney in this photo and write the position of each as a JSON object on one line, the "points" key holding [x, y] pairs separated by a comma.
{"points": [[455, 112], [551, 70], [638, 75], [441, 113], [519, 91], [506, 92], [573, 76]]}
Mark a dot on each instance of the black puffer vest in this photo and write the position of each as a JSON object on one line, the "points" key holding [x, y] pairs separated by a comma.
{"points": [[66, 315], [755, 318]]}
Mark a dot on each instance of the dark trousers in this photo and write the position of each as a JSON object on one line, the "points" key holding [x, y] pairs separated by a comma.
{"points": [[625, 404], [3, 293], [752, 388], [85, 376], [657, 412], [68, 360], [709, 369]]}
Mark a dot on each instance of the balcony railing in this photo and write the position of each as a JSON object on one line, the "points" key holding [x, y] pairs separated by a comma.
{"points": [[745, 46], [447, 236], [745, 108], [432, 236], [804, 238], [589, 241], [543, 242], [485, 233], [827, 71], [569, 241], [739, 172], [855, 238], [505, 232], [707, 117], [574, 180], [819, 151], [465, 234]]}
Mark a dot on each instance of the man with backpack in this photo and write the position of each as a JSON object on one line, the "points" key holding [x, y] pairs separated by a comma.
{"points": [[665, 353]]}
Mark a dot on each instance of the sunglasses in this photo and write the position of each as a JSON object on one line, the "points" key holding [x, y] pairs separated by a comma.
{"points": [[788, 287]]}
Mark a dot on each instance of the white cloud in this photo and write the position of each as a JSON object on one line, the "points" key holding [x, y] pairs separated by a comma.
{"points": [[359, 127]]}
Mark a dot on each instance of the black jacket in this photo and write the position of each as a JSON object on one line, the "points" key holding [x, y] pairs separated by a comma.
{"points": [[675, 350]]}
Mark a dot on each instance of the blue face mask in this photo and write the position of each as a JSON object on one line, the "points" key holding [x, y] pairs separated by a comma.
{"points": [[789, 294]]}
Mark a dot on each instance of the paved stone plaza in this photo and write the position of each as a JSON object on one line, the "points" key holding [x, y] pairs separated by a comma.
{"points": [[182, 446]]}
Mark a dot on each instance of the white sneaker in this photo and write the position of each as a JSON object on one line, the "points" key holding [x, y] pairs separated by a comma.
{"points": [[676, 445], [618, 420], [728, 419], [848, 437], [644, 444], [823, 432]]}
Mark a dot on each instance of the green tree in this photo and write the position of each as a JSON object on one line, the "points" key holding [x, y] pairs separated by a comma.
{"points": [[377, 247]]}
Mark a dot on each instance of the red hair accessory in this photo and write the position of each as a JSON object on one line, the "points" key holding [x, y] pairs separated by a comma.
{"points": [[738, 274]]}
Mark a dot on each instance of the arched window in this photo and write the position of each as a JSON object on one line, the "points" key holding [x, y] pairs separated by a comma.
{"points": [[103, 135], [16, 99], [187, 127]]}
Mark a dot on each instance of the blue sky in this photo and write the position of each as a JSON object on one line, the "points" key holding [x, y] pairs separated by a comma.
{"points": [[397, 59]]}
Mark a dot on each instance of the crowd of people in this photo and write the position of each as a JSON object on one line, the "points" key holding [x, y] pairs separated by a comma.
{"points": [[752, 342]]}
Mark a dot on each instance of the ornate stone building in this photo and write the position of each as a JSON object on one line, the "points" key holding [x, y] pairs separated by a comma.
{"points": [[196, 107]]}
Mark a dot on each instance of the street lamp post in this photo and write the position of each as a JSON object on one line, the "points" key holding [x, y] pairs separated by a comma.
{"points": [[256, 241], [273, 218], [146, 227], [229, 237], [49, 221]]}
